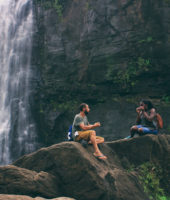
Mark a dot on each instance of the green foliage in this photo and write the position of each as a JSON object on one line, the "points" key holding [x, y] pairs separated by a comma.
{"points": [[127, 77], [150, 176], [58, 8], [143, 64], [91, 85], [87, 5], [166, 99], [110, 71], [54, 106], [52, 4], [45, 3], [66, 106], [149, 39], [131, 168], [41, 110]]}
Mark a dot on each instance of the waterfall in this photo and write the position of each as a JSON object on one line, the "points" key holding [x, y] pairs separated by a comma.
{"points": [[17, 130]]}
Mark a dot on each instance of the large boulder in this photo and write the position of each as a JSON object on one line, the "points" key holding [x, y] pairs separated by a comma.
{"points": [[15, 180], [82, 176], [140, 150], [143, 149], [23, 197]]}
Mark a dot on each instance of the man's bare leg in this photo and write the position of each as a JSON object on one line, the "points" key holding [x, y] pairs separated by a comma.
{"points": [[98, 141], [97, 152]]}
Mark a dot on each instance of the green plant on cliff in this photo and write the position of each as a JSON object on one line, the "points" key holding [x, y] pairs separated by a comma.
{"points": [[58, 7], [150, 176], [149, 39], [46, 4], [130, 168], [166, 99], [127, 77], [52, 4], [66, 106]]}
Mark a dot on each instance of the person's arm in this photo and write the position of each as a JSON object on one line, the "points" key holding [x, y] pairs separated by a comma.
{"points": [[138, 119], [151, 116], [89, 126], [139, 110]]}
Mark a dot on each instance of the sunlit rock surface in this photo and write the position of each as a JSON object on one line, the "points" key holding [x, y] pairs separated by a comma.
{"points": [[69, 169]]}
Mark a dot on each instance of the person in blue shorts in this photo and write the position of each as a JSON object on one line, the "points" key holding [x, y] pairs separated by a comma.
{"points": [[146, 122]]}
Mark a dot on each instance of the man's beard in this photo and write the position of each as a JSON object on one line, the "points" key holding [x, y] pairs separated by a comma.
{"points": [[85, 112]]}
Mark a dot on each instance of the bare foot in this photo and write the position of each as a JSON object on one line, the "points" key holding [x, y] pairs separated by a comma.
{"points": [[100, 156]]}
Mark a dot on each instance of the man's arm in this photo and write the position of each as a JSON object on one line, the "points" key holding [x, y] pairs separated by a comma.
{"points": [[89, 126]]}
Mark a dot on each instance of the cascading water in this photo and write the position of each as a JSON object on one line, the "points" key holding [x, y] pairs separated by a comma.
{"points": [[17, 130]]}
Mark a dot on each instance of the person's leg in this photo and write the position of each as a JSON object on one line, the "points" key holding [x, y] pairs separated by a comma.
{"points": [[83, 135], [141, 131], [99, 140], [90, 135], [97, 152], [133, 130], [146, 130]]}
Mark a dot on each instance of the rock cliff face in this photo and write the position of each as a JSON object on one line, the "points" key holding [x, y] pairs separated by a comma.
{"points": [[68, 169], [95, 47], [92, 50]]}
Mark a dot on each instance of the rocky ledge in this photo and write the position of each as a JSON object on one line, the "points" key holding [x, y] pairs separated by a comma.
{"points": [[69, 169], [23, 197]]}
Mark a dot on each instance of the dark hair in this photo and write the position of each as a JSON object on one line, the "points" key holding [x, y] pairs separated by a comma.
{"points": [[148, 103], [82, 105]]}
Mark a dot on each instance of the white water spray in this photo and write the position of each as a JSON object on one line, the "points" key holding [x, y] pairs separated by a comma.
{"points": [[17, 131]]}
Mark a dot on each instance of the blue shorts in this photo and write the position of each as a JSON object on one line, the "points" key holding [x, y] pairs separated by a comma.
{"points": [[147, 130]]}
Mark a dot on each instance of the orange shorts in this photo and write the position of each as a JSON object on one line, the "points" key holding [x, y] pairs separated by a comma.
{"points": [[85, 135]]}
